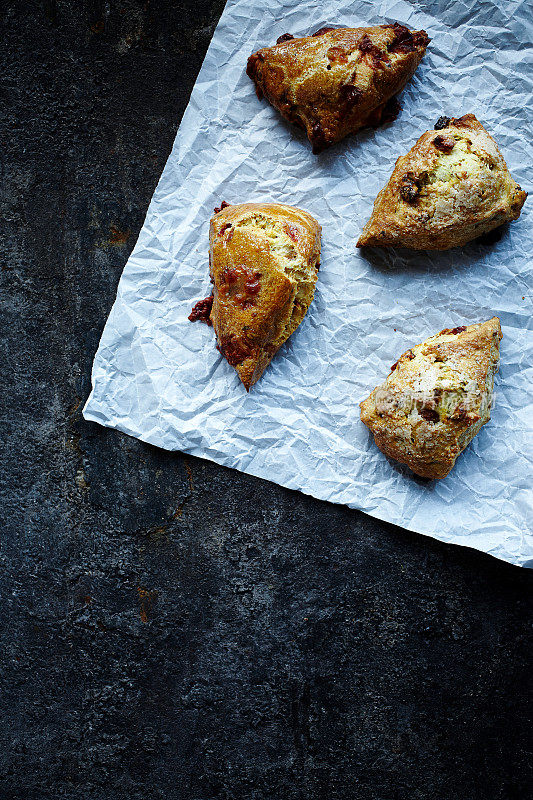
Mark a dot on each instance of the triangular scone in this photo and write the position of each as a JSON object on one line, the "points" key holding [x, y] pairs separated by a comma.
{"points": [[450, 188], [436, 398], [264, 260], [338, 80]]}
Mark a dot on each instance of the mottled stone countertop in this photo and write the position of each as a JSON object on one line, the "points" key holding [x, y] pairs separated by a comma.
{"points": [[171, 628]]}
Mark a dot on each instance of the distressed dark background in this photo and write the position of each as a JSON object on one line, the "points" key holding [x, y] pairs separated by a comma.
{"points": [[170, 628]]}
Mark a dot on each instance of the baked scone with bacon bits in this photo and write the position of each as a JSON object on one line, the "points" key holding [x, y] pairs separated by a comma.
{"points": [[264, 260], [451, 187], [436, 398], [338, 80]]}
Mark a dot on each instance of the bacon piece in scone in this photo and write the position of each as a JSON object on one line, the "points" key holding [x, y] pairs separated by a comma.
{"points": [[338, 80], [264, 260], [436, 398], [451, 187]]}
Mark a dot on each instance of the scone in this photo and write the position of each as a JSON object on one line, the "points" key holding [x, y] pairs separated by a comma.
{"points": [[450, 188], [339, 79], [264, 260], [436, 398]]}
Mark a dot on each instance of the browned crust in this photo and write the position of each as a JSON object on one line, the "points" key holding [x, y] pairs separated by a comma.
{"points": [[413, 211], [256, 306], [428, 439], [337, 82]]}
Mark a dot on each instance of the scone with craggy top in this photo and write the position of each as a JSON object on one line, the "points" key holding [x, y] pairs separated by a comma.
{"points": [[264, 260], [339, 79], [436, 398], [450, 188]]}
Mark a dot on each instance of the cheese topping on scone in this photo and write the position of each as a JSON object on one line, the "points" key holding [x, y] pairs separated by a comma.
{"points": [[264, 260], [436, 398], [453, 186], [338, 80]]}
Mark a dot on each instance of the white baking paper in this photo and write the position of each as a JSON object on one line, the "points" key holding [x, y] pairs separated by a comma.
{"points": [[159, 377]]}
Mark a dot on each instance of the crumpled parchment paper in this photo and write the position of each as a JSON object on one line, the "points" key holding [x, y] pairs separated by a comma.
{"points": [[159, 377]]}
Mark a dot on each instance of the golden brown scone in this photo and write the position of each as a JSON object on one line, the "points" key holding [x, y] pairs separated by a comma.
{"points": [[338, 80], [436, 398], [450, 188], [264, 260]]}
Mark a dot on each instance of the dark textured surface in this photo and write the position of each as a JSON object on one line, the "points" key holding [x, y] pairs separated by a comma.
{"points": [[170, 628]]}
